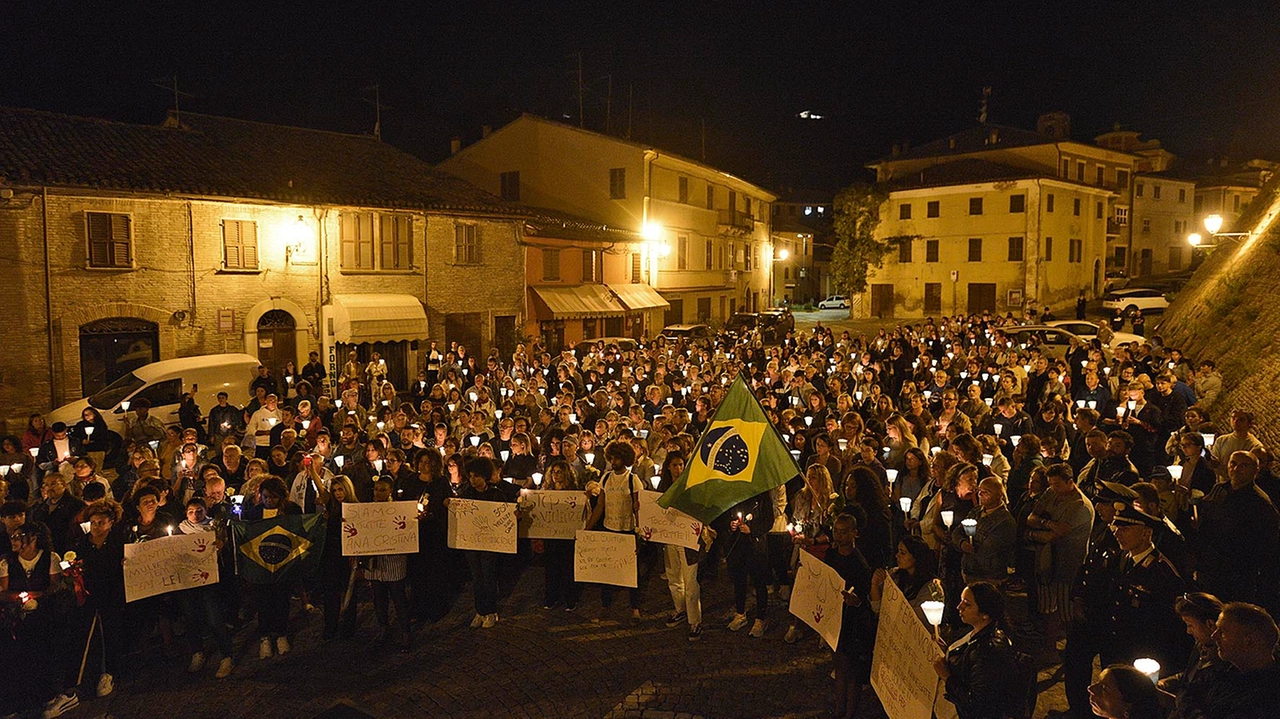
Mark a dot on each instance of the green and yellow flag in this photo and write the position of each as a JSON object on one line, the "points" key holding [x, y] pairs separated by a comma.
{"points": [[280, 549], [739, 456]]}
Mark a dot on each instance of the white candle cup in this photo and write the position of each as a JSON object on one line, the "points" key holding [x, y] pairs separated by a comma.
{"points": [[1150, 667], [272, 421], [1175, 471], [988, 400], [905, 503], [1080, 403], [1014, 439], [987, 458], [795, 454], [970, 526], [656, 479], [339, 460], [504, 454], [377, 464], [948, 516], [808, 420], [858, 395], [1131, 404], [337, 403], [124, 406], [306, 424], [934, 450], [497, 413], [475, 440], [933, 611], [537, 479], [452, 406], [1093, 404], [381, 426], [88, 431], [998, 428], [573, 418], [1119, 412], [1208, 438], [891, 475], [842, 443]]}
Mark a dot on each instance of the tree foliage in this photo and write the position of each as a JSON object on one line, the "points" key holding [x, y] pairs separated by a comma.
{"points": [[857, 249]]}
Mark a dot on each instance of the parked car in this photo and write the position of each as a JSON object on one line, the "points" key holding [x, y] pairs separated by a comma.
{"points": [[834, 302], [782, 315], [162, 383], [742, 323], [1053, 341], [1136, 298], [1116, 280], [1087, 330], [691, 334], [585, 347]]}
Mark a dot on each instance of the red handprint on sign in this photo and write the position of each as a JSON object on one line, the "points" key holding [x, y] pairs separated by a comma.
{"points": [[200, 576], [647, 533], [818, 614], [398, 522], [349, 529], [200, 546], [697, 529]]}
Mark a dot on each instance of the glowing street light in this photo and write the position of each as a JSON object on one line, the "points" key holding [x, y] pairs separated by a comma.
{"points": [[1213, 223]]}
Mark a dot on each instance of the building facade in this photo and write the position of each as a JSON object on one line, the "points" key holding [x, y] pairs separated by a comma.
{"points": [[705, 233], [126, 244]]}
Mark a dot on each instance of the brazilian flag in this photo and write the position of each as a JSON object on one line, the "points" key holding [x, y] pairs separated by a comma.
{"points": [[739, 456], [280, 549]]}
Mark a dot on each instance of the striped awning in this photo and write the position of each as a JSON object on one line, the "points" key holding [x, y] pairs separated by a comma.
{"points": [[639, 296], [378, 318], [578, 301]]}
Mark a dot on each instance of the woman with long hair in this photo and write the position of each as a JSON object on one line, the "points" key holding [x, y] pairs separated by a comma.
{"points": [[559, 585], [899, 438]]}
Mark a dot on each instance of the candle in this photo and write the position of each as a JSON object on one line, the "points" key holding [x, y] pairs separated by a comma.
{"points": [[843, 444], [808, 420], [1208, 438], [338, 403], [987, 400], [475, 440], [420, 507], [987, 459], [1132, 404], [1175, 471], [970, 526], [1150, 667], [795, 454], [998, 428], [933, 612], [655, 480], [573, 418], [124, 406], [1015, 438], [88, 431], [1119, 412], [537, 479], [272, 421], [905, 503], [590, 457], [498, 413], [948, 516], [504, 454], [891, 475], [339, 460], [1093, 404], [377, 464], [170, 528], [452, 406], [934, 450]]}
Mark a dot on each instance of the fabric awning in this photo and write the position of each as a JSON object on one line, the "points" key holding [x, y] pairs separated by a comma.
{"points": [[378, 318], [639, 296], [579, 301]]}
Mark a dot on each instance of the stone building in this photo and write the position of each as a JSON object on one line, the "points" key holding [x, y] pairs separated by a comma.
{"points": [[123, 244]]}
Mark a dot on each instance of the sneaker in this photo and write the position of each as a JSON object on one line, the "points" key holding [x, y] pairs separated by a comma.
{"points": [[490, 620], [60, 705], [106, 685], [197, 662], [571, 607], [282, 646], [739, 621], [546, 606], [695, 633], [224, 668], [757, 629], [793, 633], [674, 619], [478, 621], [264, 648]]}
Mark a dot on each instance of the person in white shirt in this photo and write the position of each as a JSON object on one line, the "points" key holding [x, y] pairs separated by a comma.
{"points": [[260, 425]]}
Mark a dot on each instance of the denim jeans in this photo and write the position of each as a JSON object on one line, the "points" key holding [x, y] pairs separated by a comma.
{"points": [[484, 580]]}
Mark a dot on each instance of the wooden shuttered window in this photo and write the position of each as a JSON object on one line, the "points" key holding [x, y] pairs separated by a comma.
{"points": [[240, 244], [110, 239], [396, 242], [356, 232], [466, 248]]}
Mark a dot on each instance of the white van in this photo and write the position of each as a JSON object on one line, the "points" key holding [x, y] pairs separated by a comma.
{"points": [[163, 383]]}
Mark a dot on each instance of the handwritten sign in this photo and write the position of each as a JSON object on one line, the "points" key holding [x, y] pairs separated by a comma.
{"points": [[552, 514], [666, 526], [605, 558], [169, 564], [817, 598], [379, 528], [483, 526], [902, 665]]}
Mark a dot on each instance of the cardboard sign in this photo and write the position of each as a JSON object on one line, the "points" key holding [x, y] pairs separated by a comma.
{"points": [[666, 526], [483, 526], [379, 528], [169, 564], [605, 558], [902, 664], [817, 598], [552, 514]]}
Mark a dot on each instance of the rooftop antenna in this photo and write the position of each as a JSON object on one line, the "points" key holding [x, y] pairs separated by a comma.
{"points": [[631, 96], [171, 84], [377, 109], [982, 111], [704, 139]]}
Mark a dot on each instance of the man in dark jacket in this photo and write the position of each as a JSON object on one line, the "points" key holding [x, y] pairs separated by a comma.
{"points": [[57, 510]]}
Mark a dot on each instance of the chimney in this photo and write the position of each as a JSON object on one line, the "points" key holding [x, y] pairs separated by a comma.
{"points": [[485, 130], [455, 146]]}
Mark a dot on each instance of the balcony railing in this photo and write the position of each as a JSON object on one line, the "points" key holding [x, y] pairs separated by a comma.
{"points": [[737, 219]]}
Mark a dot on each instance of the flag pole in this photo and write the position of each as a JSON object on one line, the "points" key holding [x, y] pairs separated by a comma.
{"points": [[87, 642]]}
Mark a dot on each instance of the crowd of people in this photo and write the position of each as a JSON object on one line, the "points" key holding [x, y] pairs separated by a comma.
{"points": [[1093, 501]]}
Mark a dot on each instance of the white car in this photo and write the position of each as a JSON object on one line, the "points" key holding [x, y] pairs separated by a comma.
{"points": [[834, 302], [1135, 298], [1087, 331]]}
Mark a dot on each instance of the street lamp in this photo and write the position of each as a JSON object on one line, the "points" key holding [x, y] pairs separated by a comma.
{"points": [[1213, 223], [654, 247]]}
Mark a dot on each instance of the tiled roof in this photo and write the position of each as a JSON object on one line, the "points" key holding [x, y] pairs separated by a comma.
{"points": [[963, 172], [223, 157], [974, 139]]}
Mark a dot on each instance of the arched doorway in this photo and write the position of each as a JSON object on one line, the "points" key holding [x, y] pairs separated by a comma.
{"points": [[113, 347], [277, 342]]}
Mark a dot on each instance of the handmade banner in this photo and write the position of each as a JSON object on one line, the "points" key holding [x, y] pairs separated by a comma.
{"points": [[379, 528], [817, 598], [666, 526], [605, 558], [484, 526], [552, 514], [169, 564], [902, 665]]}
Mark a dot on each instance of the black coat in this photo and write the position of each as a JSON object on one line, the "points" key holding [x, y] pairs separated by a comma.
{"points": [[984, 678]]}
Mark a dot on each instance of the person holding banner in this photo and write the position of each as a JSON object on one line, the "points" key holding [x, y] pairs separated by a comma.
{"points": [[386, 572], [682, 563], [981, 668], [557, 554], [484, 565], [272, 600], [101, 557], [201, 606], [336, 575], [618, 508], [857, 630]]}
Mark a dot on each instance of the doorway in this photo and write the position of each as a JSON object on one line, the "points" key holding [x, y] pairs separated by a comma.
{"points": [[982, 297], [882, 301], [113, 347], [277, 342]]}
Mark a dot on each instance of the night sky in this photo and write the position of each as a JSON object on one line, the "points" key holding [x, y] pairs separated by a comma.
{"points": [[1203, 78]]}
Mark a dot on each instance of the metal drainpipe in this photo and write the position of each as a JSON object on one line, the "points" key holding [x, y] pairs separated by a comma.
{"points": [[48, 295], [191, 248]]}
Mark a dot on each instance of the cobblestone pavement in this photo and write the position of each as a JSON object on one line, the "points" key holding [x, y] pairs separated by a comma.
{"points": [[592, 663]]}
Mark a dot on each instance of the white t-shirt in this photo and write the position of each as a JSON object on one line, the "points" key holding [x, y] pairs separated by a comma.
{"points": [[619, 510], [261, 422], [55, 565]]}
